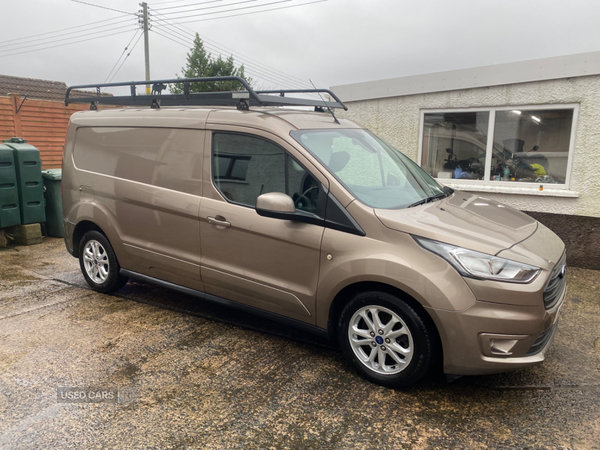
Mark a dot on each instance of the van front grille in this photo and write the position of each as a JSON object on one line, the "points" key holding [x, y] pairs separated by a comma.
{"points": [[556, 284]]}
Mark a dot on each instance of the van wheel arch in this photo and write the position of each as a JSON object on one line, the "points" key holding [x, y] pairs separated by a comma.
{"points": [[349, 292], [80, 229]]}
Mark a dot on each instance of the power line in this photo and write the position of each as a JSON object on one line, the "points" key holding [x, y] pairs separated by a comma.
{"points": [[53, 40], [103, 7], [171, 1], [190, 43], [267, 74], [124, 50], [220, 47], [212, 7], [187, 45], [46, 39], [63, 29], [184, 6], [228, 10], [253, 12], [132, 48], [173, 38], [254, 72], [68, 43], [255, 68]]}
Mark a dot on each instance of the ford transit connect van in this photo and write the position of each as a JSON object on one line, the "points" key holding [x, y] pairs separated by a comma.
{"points": [[313, 221]]}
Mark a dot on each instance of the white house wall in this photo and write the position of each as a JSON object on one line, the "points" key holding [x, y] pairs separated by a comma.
{"points": [[397, 120]]}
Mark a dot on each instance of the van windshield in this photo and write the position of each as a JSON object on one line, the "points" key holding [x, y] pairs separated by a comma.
{"points": [[373, 171]]}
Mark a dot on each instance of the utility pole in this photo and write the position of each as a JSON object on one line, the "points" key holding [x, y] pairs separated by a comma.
{"points": [[144, 6]]}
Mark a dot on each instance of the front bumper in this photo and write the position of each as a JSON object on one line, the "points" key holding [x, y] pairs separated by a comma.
{"points": [[493, 337]]}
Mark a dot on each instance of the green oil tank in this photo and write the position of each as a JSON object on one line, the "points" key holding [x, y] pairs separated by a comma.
{"points": [[29, 180], [10, 211]]}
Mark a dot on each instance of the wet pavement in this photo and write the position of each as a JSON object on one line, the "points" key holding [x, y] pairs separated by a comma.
{"points": [[189, 374]]}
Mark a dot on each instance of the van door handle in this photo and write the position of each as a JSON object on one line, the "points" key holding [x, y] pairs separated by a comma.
{"points": [[219, 221]]}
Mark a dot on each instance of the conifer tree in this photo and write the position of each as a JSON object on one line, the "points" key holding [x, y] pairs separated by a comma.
{"points": [[200, 64]]}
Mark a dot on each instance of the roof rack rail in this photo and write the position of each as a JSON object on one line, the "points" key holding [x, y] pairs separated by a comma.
{"points": [[241, 99]]}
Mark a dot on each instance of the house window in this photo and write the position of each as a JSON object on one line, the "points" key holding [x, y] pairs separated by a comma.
{"points": [[508, 145]]}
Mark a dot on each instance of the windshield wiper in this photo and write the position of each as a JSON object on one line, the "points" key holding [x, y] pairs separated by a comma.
{"points": [[432, 198]]}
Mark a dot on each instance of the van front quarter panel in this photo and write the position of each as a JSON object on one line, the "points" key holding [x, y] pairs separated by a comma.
{"points": [[402, 265]]}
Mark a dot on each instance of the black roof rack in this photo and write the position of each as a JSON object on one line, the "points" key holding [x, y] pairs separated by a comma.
{"points": [[241, 99]]}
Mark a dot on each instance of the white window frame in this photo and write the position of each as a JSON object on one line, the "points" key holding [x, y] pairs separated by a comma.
{"points": [[486, 182]]}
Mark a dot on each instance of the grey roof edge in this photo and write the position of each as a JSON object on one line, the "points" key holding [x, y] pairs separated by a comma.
{"points": [[568, 66]]}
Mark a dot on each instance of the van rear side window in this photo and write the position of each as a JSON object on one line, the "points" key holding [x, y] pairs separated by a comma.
{"points": [[165, 157]]}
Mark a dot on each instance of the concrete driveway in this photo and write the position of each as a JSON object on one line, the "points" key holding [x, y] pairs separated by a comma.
{"points": [[179, 373]]}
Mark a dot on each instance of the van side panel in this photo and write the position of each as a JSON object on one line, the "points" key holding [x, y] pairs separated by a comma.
{"points": [[147, 181]]}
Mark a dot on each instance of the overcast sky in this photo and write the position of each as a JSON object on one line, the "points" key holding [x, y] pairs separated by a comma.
{"points": [[329, 41]]}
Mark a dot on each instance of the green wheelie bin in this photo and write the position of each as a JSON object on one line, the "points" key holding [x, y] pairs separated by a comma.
{"points": [[54, 211]]}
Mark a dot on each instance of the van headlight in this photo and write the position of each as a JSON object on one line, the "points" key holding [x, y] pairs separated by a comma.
{"points": [[470, 263]]}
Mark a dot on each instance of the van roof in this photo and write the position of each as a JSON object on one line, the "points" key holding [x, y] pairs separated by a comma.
{"points": [[271, 119]]}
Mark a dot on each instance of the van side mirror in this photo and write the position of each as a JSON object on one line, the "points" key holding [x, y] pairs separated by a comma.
{"points": [[275, 204], [278, 205]]}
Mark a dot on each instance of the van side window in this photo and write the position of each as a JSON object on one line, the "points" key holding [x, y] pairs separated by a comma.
{"points": [[245, 167]]}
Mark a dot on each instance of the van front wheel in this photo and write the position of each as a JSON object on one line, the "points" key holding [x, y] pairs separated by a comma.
{"points": [[385, 339], [99, 263]]}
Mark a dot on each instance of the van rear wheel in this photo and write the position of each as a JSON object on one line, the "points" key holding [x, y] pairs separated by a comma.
{"points": [[385, 339], [99, 263]]}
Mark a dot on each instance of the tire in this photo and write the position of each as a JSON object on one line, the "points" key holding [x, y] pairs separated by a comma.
{"points": [[99, 263], [386, 340]]}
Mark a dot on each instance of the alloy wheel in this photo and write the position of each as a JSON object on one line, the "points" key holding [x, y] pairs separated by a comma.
{"points": [[381, 340], [95, 260]]}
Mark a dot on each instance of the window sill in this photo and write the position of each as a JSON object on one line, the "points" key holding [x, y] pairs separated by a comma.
{"points": [[547, 192]]}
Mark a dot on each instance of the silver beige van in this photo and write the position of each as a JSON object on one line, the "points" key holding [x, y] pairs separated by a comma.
{"points": [[312, 221]]}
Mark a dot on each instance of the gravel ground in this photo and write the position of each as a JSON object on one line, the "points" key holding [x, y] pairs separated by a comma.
{"points": [[187, 374]]}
